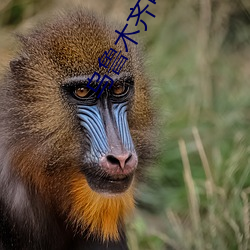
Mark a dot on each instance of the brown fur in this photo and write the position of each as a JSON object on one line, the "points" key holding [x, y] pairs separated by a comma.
{"points": [[40, 135]]}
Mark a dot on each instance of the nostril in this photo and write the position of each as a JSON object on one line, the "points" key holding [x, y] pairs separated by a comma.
{"points": [[120, 160], [124, 163], [113, 160], [127, 160]]}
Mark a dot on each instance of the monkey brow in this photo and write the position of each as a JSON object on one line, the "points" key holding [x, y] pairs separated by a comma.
{"points": [[124, 76], [79, 79]]}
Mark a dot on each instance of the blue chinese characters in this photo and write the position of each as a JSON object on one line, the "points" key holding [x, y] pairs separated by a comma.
{"points": [[113, 60]]}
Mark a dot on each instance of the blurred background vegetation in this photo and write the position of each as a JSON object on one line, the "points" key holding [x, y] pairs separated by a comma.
{"points": [[197, 193]]}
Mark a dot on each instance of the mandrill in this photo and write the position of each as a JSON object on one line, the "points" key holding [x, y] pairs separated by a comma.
{"points": [[69, 161]]}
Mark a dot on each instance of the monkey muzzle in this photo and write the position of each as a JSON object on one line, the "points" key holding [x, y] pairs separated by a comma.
{"points": [[112, 153]]}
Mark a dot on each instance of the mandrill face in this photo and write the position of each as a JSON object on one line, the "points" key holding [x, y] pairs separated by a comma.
{"points": [[80, 154], [110, 163]]}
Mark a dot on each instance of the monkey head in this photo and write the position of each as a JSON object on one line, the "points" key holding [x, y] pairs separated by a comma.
{"points": [[80, 154]]}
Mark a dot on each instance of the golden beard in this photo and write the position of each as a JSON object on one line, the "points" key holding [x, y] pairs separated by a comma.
{"points": [[100, 214]]}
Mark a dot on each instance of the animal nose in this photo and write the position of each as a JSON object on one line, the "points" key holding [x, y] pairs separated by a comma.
{"points": [[123, 163], [119, 160]]}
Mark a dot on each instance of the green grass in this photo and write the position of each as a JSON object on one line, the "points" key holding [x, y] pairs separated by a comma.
{"points": [[197, 195], [199, 188]]}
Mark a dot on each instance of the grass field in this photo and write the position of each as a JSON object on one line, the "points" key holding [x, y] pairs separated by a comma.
{"points": [[197, 192]]}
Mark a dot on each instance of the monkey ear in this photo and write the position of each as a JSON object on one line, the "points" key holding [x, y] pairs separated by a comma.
{"points": [[17, 65]]}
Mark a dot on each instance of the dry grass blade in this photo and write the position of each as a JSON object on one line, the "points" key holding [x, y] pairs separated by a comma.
{"points": [[204, 159], [177, 228], [192, 197]]}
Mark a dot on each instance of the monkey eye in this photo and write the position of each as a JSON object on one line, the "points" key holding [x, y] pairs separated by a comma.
{"points": [[81, 92], [122, 89], [119, 89]]}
